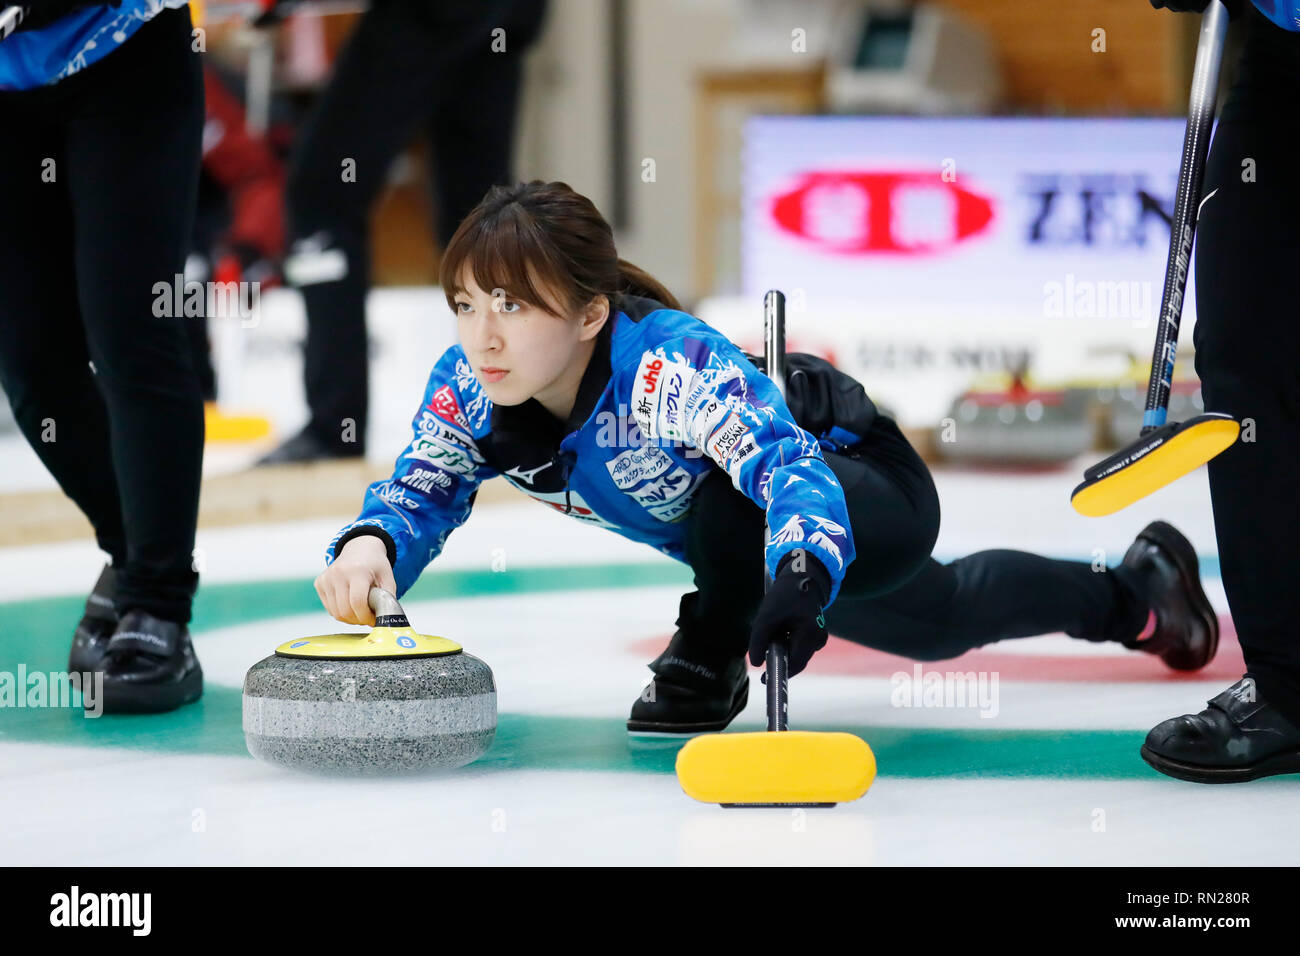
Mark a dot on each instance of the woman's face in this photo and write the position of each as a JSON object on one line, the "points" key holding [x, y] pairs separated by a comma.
{"points": [[533, 350]]}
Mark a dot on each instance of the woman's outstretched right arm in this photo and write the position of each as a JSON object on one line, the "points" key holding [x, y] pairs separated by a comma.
{"points": [[430, 493]]}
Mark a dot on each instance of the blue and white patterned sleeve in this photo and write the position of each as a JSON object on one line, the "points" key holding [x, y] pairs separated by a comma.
{"points": [[435, 479], [704, 392]]}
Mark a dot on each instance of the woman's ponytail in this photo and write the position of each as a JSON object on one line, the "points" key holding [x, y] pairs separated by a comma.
{"points": [[637, 281]]}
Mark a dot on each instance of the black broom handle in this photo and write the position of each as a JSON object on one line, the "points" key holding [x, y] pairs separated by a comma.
{"points": [[778, 652], [1196, 141]]}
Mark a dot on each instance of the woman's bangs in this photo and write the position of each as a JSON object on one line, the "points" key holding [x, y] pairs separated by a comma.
{"points": [[504, 255]]}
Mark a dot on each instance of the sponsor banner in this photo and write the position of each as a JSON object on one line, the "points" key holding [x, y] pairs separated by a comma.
{"points": [[967, 214]]}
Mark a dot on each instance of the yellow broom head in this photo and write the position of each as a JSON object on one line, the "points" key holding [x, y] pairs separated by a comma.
{"points": [[776, 768], [1151, 462]]}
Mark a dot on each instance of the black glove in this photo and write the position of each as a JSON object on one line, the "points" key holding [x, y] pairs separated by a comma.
{"points": [[41, 13], [792, 611], [1197, 6]]}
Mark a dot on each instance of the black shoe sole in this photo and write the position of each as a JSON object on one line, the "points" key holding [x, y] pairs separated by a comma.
{"points": [[665, 728], [1278, 763], [1173, 543], [152, 698]]}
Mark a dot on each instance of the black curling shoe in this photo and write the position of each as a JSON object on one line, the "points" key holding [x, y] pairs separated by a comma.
{"points": [[97, 624], [150, 666], [687, 695], [306, 447], [1187, 629], [687, 698], [1238, 737]]}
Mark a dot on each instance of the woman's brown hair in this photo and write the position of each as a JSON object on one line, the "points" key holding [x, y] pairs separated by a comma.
{"points": [[530, 234]]}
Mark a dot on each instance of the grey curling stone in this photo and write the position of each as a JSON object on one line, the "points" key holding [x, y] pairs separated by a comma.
{"points": [[1018, 430], [376, 715]]}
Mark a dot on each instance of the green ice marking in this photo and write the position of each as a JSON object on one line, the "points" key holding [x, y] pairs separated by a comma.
{"points": [[37, 633]]}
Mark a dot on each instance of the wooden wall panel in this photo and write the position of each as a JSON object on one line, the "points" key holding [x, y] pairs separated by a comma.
{"points": [[1045, 47]]}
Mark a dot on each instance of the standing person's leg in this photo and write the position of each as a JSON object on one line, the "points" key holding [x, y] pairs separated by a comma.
{"points": [[472, 128], [133, 136], [44, 363], [386, 81], [1248, 360], [1247, 350]]}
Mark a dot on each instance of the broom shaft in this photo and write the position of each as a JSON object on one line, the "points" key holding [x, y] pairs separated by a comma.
{"points": [[778, 652], [1200, 118]]}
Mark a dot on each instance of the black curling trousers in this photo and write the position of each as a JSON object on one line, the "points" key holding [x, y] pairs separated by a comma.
{"points": [[411, 65], [99, 174], [895, 597], [1247, 339]]}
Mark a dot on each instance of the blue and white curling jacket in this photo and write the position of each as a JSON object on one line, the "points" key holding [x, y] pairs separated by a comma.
{"points": [[32, 58], [664, 401]]}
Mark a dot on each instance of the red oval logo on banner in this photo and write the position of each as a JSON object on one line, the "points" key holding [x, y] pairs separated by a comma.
{"points": [[881, 212]]}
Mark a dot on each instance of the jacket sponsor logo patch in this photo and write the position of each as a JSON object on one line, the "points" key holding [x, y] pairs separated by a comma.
{"points": [[427, 480], [664, 489], [637, 464], [725, 438], [394, 493], [670, 402], [648, 373], [657, 398], [669, 497], [708, 418], [674, 510], [440, 444], [442, 455], [743, 449], [526, 475], [694, 397], [437, 429], [444, 405]]}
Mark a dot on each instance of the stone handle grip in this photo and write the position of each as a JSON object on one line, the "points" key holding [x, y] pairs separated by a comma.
{"points": [[388, 613]]}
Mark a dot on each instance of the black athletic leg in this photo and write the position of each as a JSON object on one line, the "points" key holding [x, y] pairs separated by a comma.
{"points": [[472, 128], [133, 141], [400, 61], [44, 363], [895, 597], [947, 609], [1247, 353]]}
